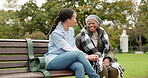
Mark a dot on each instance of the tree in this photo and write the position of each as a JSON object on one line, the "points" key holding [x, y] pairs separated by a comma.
{"points": [[141, 25], [10, 26], [27, 14], [11, 5], [42, 18], [32, 18], [117, 12], [39, 18]]}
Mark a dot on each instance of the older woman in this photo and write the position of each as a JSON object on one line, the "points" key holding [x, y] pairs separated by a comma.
{"points": [[94, 41]]}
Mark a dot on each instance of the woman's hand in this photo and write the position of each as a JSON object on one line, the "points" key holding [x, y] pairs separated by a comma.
{"points": [[107, 62], [92, 57]]}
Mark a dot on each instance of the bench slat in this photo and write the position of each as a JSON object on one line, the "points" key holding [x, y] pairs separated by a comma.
{"points": [[13, 57], [12, 40], [40, 45], [13, 51], [23, 75], [22, 44], [17, 57], [8, 71], [13, 44], [22, 50], [23, 40], [37, 74], [13, 64], [40, 50], [60, 73]]}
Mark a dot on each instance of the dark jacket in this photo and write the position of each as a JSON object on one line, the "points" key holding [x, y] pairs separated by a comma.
{"points": [[109, 54]]}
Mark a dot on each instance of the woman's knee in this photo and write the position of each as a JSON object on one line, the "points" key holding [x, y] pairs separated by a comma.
{"points": [[113, 73], [104, 72], [77, 53], [77, 66]]}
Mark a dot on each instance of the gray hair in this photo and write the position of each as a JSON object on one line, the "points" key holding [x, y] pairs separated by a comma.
{"points": [[95, 17]]}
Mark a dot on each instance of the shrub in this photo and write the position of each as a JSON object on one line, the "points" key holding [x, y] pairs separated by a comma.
{"points": [[146, 52], [35, 35]]}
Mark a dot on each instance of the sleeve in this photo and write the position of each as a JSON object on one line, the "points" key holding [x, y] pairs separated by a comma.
{"points": [[71, 46], [67, 47], [110, 54], [78, 41], [58, 40]]}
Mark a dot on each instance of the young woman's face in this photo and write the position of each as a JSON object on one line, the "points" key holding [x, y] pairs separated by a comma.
{"points": [[92, 25], [73, 20]]}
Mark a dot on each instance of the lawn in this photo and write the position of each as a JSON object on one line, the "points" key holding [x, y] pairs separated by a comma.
{"points": [[135, 65]]}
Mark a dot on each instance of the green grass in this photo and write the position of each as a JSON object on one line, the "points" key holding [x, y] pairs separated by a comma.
{"points": [[135, 65]]}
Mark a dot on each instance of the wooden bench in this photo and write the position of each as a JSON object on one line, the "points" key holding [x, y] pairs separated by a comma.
{"points": [[23, 58]]}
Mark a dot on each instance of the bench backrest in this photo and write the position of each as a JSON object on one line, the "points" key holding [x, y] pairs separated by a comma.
{"points": [[14, 54]]}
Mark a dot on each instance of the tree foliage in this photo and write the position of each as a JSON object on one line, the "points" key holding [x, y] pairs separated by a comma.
{"points": [[10, 26], [140, 29], [31, 18]]}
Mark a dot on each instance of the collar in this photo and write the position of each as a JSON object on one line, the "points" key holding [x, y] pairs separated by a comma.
{"points": [[61, 28]]}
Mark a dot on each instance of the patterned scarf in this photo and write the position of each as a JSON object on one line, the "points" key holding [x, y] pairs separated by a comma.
{"points": [[87, 42], [89, 48]]}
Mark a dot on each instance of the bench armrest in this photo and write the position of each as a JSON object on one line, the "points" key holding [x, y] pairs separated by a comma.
{"points": [[36, 63]]}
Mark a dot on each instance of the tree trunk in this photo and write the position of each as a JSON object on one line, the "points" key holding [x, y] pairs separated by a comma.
{"points": [[140, 42]]}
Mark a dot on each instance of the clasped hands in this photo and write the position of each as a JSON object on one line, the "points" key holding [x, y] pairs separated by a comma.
{"points": [[94, 57]]}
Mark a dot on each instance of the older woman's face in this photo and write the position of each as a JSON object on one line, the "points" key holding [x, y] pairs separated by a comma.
{"points": [[92, 25]]}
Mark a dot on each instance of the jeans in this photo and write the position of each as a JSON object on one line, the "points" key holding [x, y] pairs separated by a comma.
{"points": [[75, 61]]}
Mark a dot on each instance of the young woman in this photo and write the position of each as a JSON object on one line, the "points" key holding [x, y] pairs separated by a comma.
{"points": [[94, 41], [62, 51]]}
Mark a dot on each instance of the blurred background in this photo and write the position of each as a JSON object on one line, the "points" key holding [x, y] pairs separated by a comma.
{"points": [[33, 18]]}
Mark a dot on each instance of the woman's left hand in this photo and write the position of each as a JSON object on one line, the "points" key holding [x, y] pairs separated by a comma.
{"points": [[107, 62]]}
